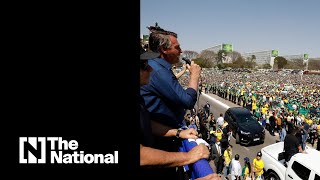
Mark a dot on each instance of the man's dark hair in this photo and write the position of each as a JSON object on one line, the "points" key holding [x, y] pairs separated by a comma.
{"points": [[159, 30], [159, 38], [236, 157]]}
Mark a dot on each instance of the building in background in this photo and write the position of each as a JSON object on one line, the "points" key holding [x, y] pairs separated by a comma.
{"points": [[303, 57], [144, 41], [262, 57], [227, 48]]}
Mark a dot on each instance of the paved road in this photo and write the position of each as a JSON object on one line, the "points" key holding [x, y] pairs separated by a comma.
{"points": [[219, 105]]}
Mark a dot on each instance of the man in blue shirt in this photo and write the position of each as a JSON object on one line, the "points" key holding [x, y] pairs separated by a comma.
{"points": [[164, 97]]}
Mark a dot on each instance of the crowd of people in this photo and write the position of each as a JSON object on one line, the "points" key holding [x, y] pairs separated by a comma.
{"points": [[280, 100]]}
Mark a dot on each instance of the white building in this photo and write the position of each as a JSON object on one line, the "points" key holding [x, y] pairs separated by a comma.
{"points": [[262, 57], [226, 47]]}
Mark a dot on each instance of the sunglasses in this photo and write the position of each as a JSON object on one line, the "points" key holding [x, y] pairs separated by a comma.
{"points": [[144, 65]]}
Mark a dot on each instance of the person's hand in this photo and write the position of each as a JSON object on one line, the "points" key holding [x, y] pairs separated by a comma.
{"points": [[194, 69], [198, 152], [213, 176], [184, 67], [189, 134]]}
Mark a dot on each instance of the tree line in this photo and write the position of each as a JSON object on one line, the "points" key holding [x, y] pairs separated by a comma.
{"points": [[223, 59]]}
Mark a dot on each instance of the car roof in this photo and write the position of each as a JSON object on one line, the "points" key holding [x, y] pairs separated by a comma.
{"points": [[238, 110], [273, 149]]}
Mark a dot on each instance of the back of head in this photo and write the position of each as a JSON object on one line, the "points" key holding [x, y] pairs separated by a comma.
{"points": [[236, 157], [246, 159], [294, 131]]}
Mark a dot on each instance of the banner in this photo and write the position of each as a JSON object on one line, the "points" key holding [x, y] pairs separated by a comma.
{"points": [[227, 47], [274, 53]]}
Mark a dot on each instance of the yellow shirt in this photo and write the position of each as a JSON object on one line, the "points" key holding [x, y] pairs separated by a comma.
{"points": [[219, 135], [264, 110], [225, 124], [309, 121], [258, 165], [246, 172], [227, 157], [254, 106], [254, 98]]}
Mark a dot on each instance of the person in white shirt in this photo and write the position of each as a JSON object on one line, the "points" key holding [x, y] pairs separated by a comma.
{"points": [[220, 120], [290, 118], [236, 169], [294, 106]]}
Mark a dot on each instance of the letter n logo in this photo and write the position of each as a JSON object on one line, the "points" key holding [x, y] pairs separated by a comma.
{"points": [[32, 150]]}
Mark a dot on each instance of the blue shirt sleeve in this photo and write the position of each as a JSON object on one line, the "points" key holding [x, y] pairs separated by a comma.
{"points": [[166, 84]]}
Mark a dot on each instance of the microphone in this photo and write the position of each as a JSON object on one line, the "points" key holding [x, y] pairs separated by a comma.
{"points": [[187, 60]]}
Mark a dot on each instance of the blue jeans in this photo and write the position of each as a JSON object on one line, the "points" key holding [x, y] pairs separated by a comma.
{"points": [[226, 170]]}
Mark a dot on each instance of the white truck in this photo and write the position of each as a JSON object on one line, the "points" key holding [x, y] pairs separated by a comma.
{"points": [[300, 167]]}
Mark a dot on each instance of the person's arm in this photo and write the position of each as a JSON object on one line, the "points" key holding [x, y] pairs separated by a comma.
{"points": [[301, 150], [155, 157], [213, 176], [178, 75], [195, 71], [163, 130]]}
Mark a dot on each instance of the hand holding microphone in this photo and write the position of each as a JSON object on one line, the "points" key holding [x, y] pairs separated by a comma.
{"points": [[187, 60]]}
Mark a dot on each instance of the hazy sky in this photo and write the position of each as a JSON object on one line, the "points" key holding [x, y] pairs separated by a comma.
{"points": [[290, 26]]}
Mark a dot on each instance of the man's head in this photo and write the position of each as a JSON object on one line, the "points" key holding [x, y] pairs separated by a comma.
{"points": [[167, 44], [259, 154], [237, 157], [145, 69]]}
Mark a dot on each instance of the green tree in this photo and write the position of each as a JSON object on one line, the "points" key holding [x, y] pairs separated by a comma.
{"points": [[234, 55], [266, 66], [281, 61], [204, 63], [314, 64], [209, 55], [239, 63], [294, 64]]}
